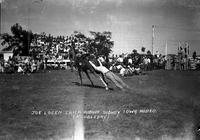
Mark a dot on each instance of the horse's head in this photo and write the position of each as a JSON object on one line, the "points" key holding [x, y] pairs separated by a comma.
{"points": [[91, 57]]}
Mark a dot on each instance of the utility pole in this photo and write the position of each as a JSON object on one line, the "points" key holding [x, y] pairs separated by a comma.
{"points": [[166, 48], [153, 30], [28, 28], [1, 15]]}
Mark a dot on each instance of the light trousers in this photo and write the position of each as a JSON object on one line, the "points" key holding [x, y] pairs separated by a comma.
{"points": [[116, 80]]}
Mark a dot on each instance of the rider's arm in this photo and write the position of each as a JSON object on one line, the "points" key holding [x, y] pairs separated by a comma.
{"points": [[99, 62], [93, 65], [99, 68]]}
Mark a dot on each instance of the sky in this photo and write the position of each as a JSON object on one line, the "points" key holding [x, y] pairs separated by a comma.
{"points": [[130, 21]]}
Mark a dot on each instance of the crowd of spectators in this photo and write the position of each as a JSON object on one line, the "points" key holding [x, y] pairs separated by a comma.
{"points": [[23, 65], [48, 52], [135, 64]]}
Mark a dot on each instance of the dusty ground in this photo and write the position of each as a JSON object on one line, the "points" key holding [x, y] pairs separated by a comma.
{"points": [[52, 105]]}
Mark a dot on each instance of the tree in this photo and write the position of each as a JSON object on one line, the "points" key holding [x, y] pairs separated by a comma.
{"points": [[6, 38], [19, 41], [101, 43], [134, 51], [16, 30], [12, 42], [143, 49], [82, 41], [148, 52], [79, 35], [194, 55], [26, 38]]}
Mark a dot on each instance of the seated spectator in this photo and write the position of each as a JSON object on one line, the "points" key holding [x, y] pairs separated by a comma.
{"points": [[130, 61], [120, 59], [122, 71], [20, 69], [138, 71], [39, 65], [33, 66], [113, 68], [1, 66], [131, 69], [102, 59]]}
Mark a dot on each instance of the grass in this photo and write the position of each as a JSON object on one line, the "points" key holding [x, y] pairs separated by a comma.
{"points": [[172, 95]]}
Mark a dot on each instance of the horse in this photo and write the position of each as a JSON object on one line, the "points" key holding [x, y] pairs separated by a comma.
{"points": [[81, 63]]}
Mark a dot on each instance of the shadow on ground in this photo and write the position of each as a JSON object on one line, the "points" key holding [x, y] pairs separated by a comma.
{"points": [[91, 86]]}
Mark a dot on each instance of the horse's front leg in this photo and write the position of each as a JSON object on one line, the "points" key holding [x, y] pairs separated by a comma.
{"points": [[79, 72], [89, 77], [71, 66]]}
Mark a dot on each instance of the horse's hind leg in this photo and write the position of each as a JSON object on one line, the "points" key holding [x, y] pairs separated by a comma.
{"points": [[89, 77], [71, 66]]}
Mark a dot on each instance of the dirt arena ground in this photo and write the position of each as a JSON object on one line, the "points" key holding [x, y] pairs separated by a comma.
{"points": [[52, 105]]}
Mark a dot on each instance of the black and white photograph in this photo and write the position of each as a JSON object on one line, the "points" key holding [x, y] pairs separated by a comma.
{"points": [[100, 70]]}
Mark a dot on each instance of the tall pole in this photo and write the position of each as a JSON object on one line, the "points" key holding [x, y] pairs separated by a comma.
{"points": [[1, 16], [28, 29], [153, 29], [166, 50]]}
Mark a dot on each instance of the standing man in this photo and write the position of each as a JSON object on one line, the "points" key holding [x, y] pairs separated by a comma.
{"points": [[45, 61]]}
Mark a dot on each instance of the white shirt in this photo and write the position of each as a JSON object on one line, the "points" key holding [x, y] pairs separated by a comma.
{"points": [[26, 61], [119, 66], [100, 68], [20, 69], [122, 71], [130, 61], [145, 61], [120, 59], [101, 59], [148, 60]]}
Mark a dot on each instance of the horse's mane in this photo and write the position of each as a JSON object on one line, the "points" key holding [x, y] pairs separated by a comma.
{"points": [[85, 56]]}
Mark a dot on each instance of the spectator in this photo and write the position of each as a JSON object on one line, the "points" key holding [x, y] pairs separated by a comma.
{"points": [[39, 64], [122, 71], [120, 59], [33, 66], [130, 61], [102, 59], [145, 62], [20, 70], [148, 63], [182, 63], [1, 66]]}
